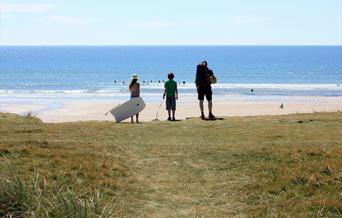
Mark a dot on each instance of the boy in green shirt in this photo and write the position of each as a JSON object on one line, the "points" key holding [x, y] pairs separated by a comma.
{"points": [[171, 94]]}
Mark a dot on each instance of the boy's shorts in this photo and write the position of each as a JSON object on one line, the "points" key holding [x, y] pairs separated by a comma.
{"points": [[204, 91], [171, 103]]}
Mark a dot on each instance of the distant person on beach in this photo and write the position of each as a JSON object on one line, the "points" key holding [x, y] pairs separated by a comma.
{"points": [[171, 93], [134, 88], [204, 79]]}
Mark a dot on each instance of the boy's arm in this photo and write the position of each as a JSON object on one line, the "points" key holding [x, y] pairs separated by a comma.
{"points": [[176, 92]]}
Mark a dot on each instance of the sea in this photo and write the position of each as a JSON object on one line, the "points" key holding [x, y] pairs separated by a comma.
{"points": [[55, 74]]}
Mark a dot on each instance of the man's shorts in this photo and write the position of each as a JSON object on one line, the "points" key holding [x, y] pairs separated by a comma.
{"points": [[171, 103], [204, 91]]}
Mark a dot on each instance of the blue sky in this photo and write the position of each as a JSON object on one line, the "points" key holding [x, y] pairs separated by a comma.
{"points": [[177, 22]]}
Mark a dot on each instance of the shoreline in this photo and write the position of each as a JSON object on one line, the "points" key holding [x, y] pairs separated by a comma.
{"points": [[91, 109]]}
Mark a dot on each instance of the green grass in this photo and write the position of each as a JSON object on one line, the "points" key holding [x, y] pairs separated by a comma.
{"points": [[264, 166], [35, 198]]}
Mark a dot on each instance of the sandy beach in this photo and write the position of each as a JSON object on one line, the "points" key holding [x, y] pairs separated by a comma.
{"points": [[85, 110]]}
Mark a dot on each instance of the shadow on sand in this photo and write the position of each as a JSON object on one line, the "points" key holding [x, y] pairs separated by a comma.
{"points": [[206, 119]]}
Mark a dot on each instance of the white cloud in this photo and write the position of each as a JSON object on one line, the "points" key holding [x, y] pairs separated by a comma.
{"points": [[68, 20], [153, 24], [159, 24], [237, 20], [26, 8]]}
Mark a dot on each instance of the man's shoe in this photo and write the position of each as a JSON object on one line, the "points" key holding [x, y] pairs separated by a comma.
{"points": [[173, 118], [169, 119], [211, 116], [202, 116]]}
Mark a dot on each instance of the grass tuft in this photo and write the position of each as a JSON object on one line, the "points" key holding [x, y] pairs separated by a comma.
{"points": [[30, 114], [326, 171], [35, 198]]}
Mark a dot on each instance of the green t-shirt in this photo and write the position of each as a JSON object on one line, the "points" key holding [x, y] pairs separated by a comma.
{"points": [[171, 87]]}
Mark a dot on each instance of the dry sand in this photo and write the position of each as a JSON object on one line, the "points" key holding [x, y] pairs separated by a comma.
{"points": [[95, 110]]}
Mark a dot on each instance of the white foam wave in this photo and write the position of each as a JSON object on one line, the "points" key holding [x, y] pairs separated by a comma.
{"points": [[256, 85], [282, 86], [156, 88]]}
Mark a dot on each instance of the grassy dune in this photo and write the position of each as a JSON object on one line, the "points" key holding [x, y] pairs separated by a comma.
{"points": [[265, 166]]}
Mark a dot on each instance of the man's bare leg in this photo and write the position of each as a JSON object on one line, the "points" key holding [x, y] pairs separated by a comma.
{"points": [[202, 109], [210, 106], [201, 106]]}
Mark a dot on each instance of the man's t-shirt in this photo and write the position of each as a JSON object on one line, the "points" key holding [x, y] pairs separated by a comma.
{"points": [[171, 87]]}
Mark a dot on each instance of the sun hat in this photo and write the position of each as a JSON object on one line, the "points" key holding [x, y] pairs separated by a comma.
{"points": [[134, 76]]}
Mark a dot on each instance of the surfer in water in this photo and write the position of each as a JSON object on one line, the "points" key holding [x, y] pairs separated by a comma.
{"points": [[134, 88]]}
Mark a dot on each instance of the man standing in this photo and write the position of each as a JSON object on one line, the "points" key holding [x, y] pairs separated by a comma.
{"points": [[203, 82]]}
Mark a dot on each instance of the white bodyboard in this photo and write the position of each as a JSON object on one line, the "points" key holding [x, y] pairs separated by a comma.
{"points": [[128, 109]]}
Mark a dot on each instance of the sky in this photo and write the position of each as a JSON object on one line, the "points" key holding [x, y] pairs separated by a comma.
{"points": [[166, 22]]}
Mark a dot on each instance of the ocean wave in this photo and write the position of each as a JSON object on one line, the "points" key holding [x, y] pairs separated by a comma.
{"points": [[157, 88], [283, 86], [254, 86]]}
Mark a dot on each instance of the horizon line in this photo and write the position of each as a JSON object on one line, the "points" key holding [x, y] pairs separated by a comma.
{"points": [[165, 45]]}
